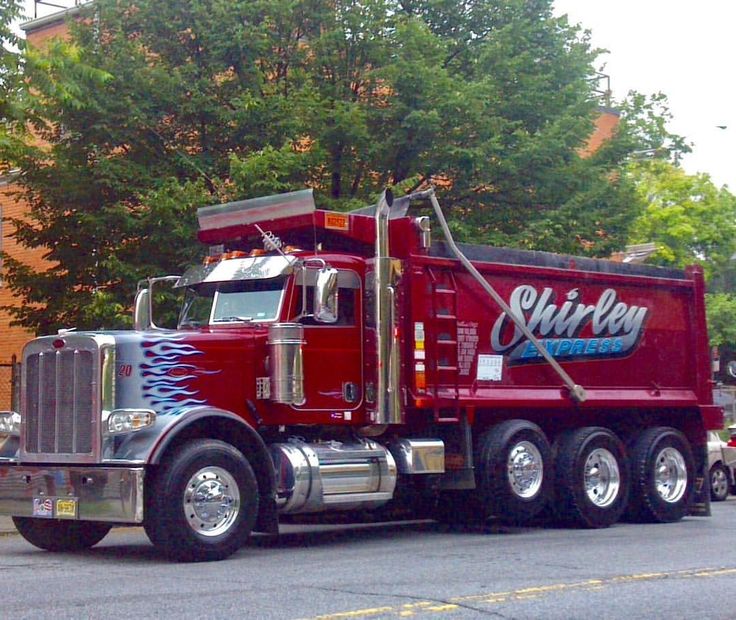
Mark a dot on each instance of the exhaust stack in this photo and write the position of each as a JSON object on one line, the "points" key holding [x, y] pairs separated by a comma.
{"points": [[388, 401]]}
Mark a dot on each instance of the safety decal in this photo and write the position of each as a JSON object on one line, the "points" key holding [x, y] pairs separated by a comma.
{"points": [[490, 368]]}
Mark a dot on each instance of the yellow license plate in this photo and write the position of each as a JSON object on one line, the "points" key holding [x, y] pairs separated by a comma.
{"points": [[66, 508]]}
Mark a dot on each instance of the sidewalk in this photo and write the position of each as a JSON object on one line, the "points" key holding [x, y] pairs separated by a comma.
{"points": [[6, 526]]}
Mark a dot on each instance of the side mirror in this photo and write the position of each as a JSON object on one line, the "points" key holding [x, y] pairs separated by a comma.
{"points": [[325, 296], [142, 310], [143, 313]]}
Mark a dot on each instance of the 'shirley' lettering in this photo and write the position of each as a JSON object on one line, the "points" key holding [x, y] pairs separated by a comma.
{"points": [[608, 318]]}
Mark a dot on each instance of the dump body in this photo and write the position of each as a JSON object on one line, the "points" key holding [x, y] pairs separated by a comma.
{"points": [[632, 336]]}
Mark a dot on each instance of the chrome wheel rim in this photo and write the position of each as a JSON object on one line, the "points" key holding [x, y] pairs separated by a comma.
{"points": [[670, 475], [719, 482], [602, 477], [211, 501], [525, 469]]}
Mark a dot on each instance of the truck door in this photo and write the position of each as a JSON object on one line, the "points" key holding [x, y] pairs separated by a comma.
{"points": [[333, 353]]}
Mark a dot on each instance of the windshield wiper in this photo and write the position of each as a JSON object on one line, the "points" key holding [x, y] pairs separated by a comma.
{"points": [[230, 319]]}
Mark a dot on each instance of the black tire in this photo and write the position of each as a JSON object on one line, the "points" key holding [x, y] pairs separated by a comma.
{"points": [[591, 477], [196, 534], [61, 535], [666, 497], [514, 467], [719, 483]]}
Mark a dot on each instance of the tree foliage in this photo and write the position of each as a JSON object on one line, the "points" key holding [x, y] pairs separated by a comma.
{"points": [[155, 108], [691, 221], [687, 216], [721, 323], [12, 89]]}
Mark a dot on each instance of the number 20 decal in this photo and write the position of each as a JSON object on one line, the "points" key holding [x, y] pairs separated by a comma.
{"points": [[125, 370]]}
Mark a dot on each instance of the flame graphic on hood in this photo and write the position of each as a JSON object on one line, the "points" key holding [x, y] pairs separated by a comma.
{"points": [[166, 378]]}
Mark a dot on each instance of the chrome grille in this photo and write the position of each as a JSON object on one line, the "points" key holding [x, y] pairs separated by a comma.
{"points": [[61, 399]]}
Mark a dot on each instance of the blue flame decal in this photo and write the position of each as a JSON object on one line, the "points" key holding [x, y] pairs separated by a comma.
{"points": [[163, 391]]}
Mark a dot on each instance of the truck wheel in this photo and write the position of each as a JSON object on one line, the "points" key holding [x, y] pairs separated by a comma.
{"points": [[202, 503], [60, 535], [663, 473], [512, 460], [591, 477], [718, 483]]}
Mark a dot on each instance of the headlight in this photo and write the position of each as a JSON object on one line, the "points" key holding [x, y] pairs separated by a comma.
{"points": [[9, 423], [129, 420]]}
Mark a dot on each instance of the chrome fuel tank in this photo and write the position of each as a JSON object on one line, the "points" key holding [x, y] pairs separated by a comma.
{"points": [[315, 477]]}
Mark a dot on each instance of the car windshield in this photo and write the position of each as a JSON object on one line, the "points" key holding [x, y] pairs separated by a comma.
{"points": [[232, 302]]}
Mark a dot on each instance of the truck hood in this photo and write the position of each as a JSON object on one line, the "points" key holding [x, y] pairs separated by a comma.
{"points": [[171, 371]]}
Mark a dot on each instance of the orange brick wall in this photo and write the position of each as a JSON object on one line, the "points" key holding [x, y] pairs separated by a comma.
{"points": [[13, 338]]}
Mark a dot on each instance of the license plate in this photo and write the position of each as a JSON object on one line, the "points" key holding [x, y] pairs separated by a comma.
{"points": [[66, 508]]}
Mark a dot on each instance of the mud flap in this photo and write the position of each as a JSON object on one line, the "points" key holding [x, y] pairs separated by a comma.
{"points": [[700, 506]]}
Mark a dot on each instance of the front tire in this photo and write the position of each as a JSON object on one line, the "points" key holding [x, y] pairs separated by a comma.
{"points": [[202, 503], [718, 483], [61, 535], [514, 465], [663, 475], [591, 477]]}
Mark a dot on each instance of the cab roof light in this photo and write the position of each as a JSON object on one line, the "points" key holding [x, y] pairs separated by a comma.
{"points": [[234, 254]]}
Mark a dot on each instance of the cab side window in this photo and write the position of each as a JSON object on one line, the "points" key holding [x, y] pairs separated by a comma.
{"points": [[346, 306]]}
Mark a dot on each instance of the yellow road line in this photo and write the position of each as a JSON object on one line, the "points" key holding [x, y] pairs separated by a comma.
{"points": [[522, 594]]}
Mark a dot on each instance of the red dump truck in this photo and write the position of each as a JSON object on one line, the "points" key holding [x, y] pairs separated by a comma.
{"points": [[330, 361]]}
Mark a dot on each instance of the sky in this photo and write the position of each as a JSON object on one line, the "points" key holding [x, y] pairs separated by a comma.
{"points": [[683, 48]]}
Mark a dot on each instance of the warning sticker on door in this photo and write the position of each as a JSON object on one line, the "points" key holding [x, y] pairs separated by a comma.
{"points": [[490, 367]]}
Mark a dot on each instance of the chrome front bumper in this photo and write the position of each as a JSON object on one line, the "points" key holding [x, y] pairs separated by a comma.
{"points": [[109, 494]]}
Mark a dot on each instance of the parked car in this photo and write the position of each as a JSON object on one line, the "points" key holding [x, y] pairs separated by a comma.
{"points": [[722, 464]]}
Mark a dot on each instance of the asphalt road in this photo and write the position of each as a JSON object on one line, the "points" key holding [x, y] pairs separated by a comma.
{"points": [[396, 570]]}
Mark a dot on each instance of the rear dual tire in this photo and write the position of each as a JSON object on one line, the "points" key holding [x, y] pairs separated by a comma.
{"points": [[513, 473], [591, 478], [663, 472], [514, 462]]}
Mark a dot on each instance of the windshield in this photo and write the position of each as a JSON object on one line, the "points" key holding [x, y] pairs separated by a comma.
{"points": [[232, 302]]}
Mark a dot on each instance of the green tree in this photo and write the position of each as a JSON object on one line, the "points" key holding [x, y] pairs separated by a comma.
{"points": [[721, 324], [153, 109], [11, 76], [691, 221], [687, 216]]}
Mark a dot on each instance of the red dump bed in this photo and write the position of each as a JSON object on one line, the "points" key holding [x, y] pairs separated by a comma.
{"points": [[633, 336]]}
